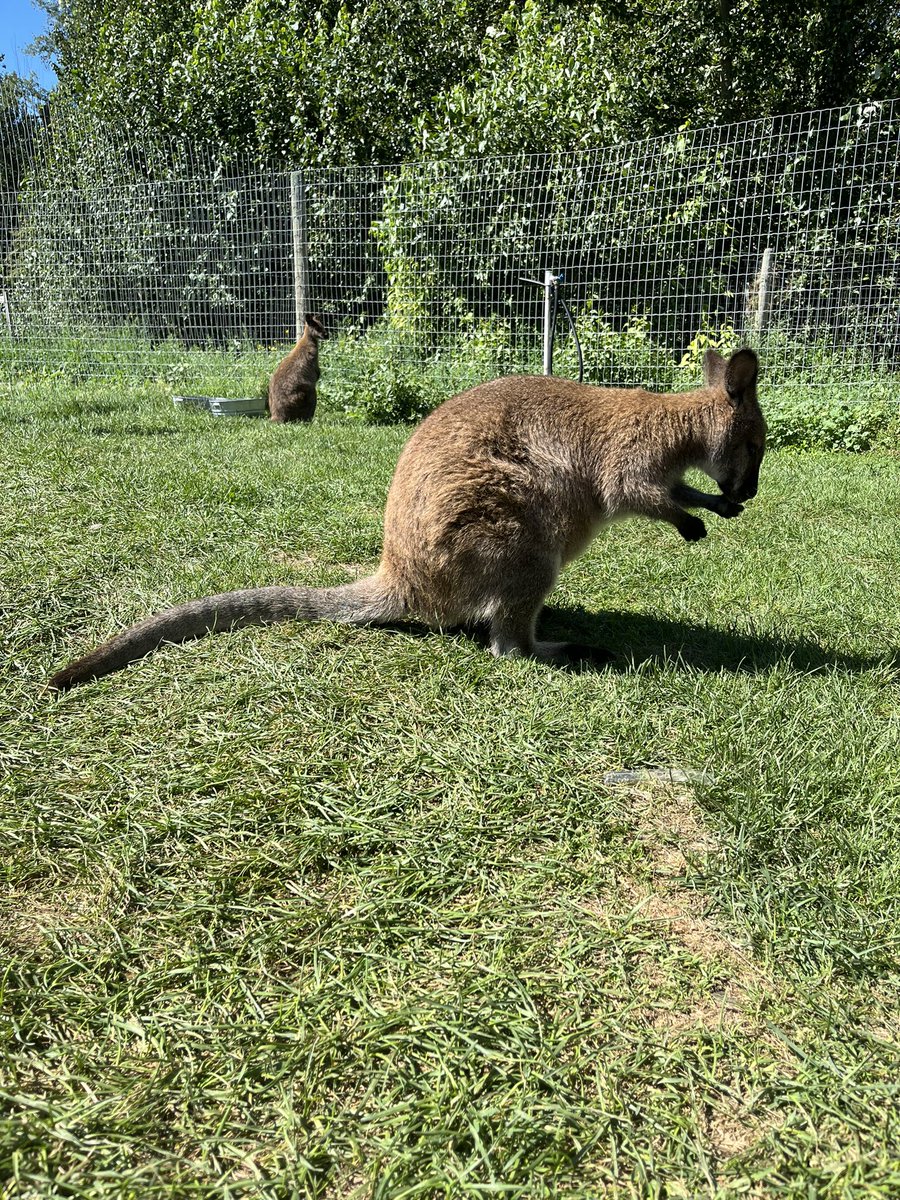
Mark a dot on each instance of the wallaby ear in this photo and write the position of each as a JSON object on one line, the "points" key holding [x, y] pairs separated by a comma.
{"points": [[713, 368], [741, 371]]}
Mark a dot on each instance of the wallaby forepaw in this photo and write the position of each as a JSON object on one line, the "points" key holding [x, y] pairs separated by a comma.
{"points": [[692, 529], [727, 508]]}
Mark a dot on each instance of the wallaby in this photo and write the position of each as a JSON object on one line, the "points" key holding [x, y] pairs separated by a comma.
{"points": [[292, 388], [494, 492]]}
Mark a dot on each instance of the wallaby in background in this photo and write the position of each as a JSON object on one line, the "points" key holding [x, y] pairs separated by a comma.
{"points": [[495, 491], [292, 388]]}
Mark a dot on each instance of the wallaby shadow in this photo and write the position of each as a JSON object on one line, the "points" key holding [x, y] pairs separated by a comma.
{"points": [[635, 638], [632, 639]]}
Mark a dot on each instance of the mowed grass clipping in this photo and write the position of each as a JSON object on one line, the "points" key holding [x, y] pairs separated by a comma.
{"points": [[319, 911]]}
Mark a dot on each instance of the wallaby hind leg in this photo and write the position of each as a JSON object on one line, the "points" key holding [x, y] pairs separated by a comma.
{"points": [[512, 636], [515, 639], [514, 619]]}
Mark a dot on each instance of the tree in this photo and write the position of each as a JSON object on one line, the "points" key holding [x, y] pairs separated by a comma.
{"points": [[21, 104], [559, 74], [279, 79], [352, 81]]}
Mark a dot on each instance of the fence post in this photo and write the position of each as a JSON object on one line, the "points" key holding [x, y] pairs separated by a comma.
{"points": [[6, 310], [762, 290], [298, 230]]}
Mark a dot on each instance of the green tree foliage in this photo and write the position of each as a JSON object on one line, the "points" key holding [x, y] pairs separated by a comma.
{"points": [[559, 74], [20, 116], [375, 81], [328, 82], [21, 101], [382, 80]]}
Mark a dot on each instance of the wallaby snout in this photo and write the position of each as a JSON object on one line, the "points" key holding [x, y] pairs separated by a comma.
{"points": [[746, 491], [742, 481], [315, 328]]}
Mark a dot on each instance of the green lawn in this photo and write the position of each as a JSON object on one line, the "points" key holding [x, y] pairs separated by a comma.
{"points": [[321, 911]]}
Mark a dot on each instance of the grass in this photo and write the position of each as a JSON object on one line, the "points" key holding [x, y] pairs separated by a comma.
{"points": [[833, 402], [314, 911]]}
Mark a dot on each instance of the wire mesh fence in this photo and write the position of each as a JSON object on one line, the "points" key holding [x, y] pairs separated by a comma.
{"points": [[783, 232]]}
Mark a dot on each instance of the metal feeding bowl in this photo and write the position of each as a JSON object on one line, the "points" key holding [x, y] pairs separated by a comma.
{"points": [[224, 406]]}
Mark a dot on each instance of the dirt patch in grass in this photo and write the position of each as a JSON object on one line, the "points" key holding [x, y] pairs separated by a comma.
{"points": [[303, 562], [669, 826], [698, 979], [731, 1129], [29, 918]]}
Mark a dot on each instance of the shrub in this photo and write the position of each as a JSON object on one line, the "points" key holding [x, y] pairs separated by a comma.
{"points": [[392, 393], [812, 419]]}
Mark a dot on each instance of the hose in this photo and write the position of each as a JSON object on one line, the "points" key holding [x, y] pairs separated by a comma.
{"points": [[558, 299]]}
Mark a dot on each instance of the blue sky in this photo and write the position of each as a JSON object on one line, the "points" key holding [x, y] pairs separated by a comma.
{"points": [[20, 23]]}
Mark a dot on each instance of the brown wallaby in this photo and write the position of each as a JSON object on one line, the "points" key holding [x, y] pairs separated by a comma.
{"points": [[292, 388], [495, 491]]}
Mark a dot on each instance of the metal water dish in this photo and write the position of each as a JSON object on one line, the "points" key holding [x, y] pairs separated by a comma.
{"points": [[201, 402], [224, 406]]}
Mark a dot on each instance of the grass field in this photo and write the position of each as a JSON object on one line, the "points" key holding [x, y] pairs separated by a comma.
{"points": [[319, 911]]}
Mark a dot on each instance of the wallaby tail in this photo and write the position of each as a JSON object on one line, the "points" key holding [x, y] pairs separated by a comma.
{"points": [[367, 601]]}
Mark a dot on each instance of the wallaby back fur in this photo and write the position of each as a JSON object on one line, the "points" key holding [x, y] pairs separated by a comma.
{"points": [[494, 493], [292, 388]]}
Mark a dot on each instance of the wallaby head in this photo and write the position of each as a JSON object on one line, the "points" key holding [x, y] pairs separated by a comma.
{"points": [[493, 494], [739, 439], [314, 328]]}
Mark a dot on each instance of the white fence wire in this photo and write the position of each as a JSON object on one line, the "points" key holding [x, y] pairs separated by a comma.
{"points": [[784, 233]]}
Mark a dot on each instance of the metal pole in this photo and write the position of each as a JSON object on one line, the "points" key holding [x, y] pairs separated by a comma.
{"points": [[549, 280], [298, 230]]}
